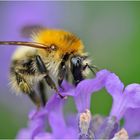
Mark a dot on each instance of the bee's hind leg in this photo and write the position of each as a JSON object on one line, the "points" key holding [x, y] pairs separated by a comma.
{"points": [[26, 88], [42, 69], [41, 88]]}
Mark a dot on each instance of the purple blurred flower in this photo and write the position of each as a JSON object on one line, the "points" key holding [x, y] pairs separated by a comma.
{"points": [[83, 125]]}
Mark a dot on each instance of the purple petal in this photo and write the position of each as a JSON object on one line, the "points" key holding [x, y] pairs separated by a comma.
{"points": [[108, 128], [70, 92], [132, 123], [70, 133], [67, 86], [55, 116], [54, 111], [68, 89], [114, 86], [41, 113], [24, 133], [133, 94], [122, 100], [44, 136], [34, 128], [85, 88], [36, 124], [57, 121], [72, 120], [130, 98]]}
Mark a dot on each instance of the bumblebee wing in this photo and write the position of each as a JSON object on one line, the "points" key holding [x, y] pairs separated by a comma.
{"points": [[29, 30]]}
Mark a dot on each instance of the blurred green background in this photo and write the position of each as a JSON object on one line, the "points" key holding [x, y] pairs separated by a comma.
{"points": [[109, 30]]}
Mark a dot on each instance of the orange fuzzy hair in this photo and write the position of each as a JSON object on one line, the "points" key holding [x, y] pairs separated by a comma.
{"points": [[65, 41]]}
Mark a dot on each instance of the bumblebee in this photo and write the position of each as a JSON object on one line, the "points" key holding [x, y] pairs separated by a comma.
{"points": [[52, 55]]}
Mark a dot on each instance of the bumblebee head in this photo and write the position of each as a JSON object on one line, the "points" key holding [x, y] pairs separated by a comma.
{"points": [[78, 67]]}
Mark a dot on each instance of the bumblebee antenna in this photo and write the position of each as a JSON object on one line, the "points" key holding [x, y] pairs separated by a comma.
{"points": [[28, 44]]}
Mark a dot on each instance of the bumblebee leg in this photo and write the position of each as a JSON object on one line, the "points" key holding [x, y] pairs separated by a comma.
{"points": [[61, 74], [36, 100], [42, 69], [41, 87], [92, 68], [26, 88]]}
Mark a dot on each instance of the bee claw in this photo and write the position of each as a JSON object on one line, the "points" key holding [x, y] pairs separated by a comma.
{"points": [[62, 97], [65, 97], [62, 88]]}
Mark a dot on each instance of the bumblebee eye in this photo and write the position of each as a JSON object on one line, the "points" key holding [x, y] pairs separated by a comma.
{"points": [[53, 47]]}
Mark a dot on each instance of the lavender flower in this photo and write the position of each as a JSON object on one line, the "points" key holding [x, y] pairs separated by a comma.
{"points": [[52, 112], [82, 93], [123, 99], [132, 123], [84, 125]]}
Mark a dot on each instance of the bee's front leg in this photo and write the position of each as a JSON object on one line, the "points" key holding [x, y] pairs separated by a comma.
{"points": [[92, 68], [42, 69]]}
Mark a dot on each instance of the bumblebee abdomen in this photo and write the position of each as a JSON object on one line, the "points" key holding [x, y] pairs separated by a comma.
{"points": [[23, 53], [23, 64]]}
